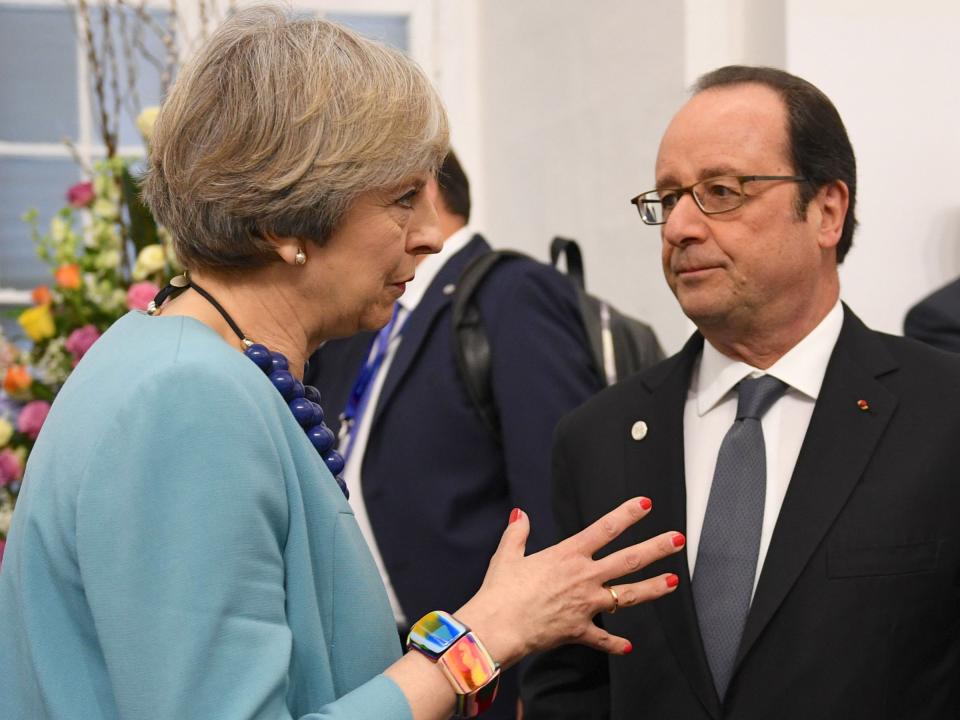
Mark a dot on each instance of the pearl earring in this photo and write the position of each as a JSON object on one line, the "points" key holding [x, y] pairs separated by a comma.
{"points": [[300, 258]]}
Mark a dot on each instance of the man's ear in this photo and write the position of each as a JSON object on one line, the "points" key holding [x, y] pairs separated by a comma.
{"points": [[833, 199], [287, 247]]}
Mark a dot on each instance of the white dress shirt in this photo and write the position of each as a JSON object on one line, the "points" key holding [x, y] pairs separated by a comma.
{"points": [[711, 409], [353, 471]]}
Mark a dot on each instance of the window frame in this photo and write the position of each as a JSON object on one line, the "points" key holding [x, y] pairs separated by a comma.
{"points": [[88, 146]]}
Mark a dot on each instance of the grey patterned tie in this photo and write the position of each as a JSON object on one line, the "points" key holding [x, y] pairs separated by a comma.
{"points": [[730, 540]]}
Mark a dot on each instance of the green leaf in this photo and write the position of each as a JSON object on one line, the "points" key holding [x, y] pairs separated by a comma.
{"points": [[143, 228], [12, 312], [41, 391]]}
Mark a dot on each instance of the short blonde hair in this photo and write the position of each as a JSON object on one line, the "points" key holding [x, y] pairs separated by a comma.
{"points": [[277, 125]]}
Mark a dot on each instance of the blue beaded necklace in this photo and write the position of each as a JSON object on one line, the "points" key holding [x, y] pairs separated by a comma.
{"points": [[303, 400]]}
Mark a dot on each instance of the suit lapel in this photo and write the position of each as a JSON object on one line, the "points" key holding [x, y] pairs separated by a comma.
{"points": [[839, 443], [421, 320], [654, 467]]}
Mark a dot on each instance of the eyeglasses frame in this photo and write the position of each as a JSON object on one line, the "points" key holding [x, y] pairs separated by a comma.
{"points": [[689, 189]]}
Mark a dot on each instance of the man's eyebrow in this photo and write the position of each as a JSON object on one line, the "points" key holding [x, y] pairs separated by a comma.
{"points": [[667, 181], [717, 171], [671, 181]]}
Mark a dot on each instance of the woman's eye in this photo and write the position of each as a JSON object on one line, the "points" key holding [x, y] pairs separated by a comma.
{"points": [[406, 200]]}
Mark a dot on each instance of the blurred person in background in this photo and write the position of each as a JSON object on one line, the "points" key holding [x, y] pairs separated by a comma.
{"points": [[409, 428], [935, 320]]}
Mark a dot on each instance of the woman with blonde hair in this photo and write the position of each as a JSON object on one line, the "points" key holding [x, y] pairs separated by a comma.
{"points": [[183, 546]]}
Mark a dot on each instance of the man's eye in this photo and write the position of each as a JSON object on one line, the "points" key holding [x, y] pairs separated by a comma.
{"points": [[668, 199], [406, 200], [721, 189]]}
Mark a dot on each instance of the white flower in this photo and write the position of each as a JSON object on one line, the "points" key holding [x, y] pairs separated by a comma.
{"points": [[105, 208], [118, 299], [105, 187], [6, 516], [108, 260], [55, 363]]}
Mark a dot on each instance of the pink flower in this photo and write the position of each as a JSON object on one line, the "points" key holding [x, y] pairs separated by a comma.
{"points": [[32, 417], [140, 294], [80, 340], [81, 194], [10, 468]]}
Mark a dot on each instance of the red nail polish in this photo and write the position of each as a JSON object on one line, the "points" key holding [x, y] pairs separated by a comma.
{"points": [[515, 514], [672, 580], [628, 649], [646, 503], [678, 540]]}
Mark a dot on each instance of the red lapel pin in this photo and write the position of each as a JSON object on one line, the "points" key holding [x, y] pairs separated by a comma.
{"points": [[863, 405]]}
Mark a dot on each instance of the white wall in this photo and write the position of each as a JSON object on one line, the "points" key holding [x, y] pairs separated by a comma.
{"points": [[891, 69], [572, 96]]}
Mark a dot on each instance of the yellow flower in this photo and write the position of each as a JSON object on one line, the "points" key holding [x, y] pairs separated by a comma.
{"points": [[150, 260], [59, 229], [37, 322], [6, 431], [146, 120]]}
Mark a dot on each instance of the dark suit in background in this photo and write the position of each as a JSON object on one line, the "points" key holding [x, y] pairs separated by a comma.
{"points": [[935, 320]]}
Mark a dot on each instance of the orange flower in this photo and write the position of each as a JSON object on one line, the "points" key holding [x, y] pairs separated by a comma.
{"points": [[17, 379], [40, 295], [68, 276]]}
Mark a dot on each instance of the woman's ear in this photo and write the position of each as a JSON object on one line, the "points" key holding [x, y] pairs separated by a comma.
{"points": [[292, 250]]}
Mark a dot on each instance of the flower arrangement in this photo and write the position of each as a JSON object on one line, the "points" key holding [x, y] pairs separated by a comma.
{"points": [[106, 253], [106, 256]]}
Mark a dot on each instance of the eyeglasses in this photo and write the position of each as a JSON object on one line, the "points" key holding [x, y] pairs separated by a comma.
{"points": [[713, 196]]}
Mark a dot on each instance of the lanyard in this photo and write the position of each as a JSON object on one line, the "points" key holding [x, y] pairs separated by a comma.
{"points": [[360, 393]]}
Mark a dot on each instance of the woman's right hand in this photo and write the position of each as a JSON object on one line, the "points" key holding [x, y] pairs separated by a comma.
{"points": [[532, 603]]}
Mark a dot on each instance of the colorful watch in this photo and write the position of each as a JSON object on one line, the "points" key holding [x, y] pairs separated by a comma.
{"points": [[475, 675]]}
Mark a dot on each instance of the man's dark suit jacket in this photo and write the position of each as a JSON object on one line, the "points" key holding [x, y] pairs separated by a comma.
{"points": [[936, 319], [437, 484], [857, 611]]}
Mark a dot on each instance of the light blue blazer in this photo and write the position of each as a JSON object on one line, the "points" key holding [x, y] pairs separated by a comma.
{"points": [[180, 551]]}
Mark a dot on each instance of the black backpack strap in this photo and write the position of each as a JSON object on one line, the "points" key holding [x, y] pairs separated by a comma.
{"points": [[592, 310], [574, 258], [470, 342]]}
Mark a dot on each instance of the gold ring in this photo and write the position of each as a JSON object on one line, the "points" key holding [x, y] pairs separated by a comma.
{"points": [[616, 600]]}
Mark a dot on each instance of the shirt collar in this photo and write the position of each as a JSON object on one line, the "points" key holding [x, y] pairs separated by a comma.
{"points": [[429, 267], [801, 368]]}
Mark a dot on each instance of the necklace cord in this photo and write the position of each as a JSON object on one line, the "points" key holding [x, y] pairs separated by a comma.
{"points": [[219, 308]]}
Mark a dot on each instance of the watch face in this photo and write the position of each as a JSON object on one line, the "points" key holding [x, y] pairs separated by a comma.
{"points": [[468, 665], [434, 633], [474, 675]]}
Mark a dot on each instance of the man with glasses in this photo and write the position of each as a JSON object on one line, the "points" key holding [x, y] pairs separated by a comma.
{"points": [[813, 464]]}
